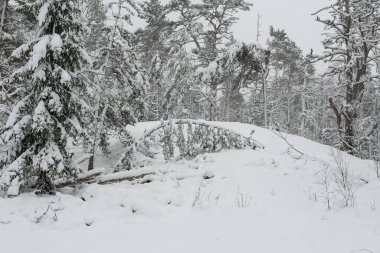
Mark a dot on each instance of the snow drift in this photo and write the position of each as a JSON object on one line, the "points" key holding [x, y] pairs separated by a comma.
{"points": [[266, 200]]}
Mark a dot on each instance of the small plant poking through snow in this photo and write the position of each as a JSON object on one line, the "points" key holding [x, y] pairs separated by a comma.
{"points": [[338, 183], [376, 164], [204, 199], [325, 182], [197, 199], [242, 200], [343, 179]]}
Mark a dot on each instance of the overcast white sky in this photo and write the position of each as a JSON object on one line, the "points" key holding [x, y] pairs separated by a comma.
{"points": [[292, 15]]}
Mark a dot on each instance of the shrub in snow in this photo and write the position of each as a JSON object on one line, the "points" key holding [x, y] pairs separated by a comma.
{"points": [[338, 183], [38, 138], [343, 179]]}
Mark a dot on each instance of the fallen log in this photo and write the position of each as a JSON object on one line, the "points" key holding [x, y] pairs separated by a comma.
{"points": [[124, 176], [86, 177], [99, 176]]}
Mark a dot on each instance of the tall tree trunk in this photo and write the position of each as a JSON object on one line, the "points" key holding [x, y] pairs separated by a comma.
{"points": [[265, 73], [289, 98], [98, 130], [265, 99], [3, 13], [303, 103]]}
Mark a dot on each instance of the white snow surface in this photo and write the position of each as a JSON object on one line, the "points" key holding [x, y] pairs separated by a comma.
{"points": [[266, 200]]}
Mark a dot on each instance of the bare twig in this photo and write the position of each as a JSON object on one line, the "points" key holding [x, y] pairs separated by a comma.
{"points": [[377, 168], [343, 179], [198, 194], [279, 134], [38, 219], [242, 200]]}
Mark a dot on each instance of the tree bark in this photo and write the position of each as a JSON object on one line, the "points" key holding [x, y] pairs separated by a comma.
{"points": [[3, 13]]}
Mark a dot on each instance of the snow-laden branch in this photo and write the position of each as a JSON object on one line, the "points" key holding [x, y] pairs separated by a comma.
{"points": [[196, 122]]}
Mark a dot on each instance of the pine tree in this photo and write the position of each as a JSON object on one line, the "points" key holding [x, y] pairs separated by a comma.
{"points": [[158, 35], [39, 137], [207, 25], [286, 58], [236, 68]]}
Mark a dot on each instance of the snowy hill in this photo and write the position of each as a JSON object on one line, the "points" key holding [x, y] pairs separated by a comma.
{"points": [[265, 200]]}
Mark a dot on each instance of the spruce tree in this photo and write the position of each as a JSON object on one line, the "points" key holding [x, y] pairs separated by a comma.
{"points": [[16, 25], [38, 140]]}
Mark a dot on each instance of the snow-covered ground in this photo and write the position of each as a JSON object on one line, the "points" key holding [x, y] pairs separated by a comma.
{"points": [[269, 200]]}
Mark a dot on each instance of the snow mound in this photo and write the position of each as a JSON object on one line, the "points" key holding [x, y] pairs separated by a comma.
{"points": [[266, 200]]}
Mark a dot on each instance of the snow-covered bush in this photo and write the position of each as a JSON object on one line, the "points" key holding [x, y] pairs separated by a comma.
{"points": [[188, 138]]}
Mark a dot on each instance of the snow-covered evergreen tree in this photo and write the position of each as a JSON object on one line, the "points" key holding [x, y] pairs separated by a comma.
{"points": [[17, 24], [38, 140]]}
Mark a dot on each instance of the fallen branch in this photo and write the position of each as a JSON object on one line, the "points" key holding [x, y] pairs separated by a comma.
{"points": [[83, 158], [203, 137], [196, 122], [38, 219]]}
